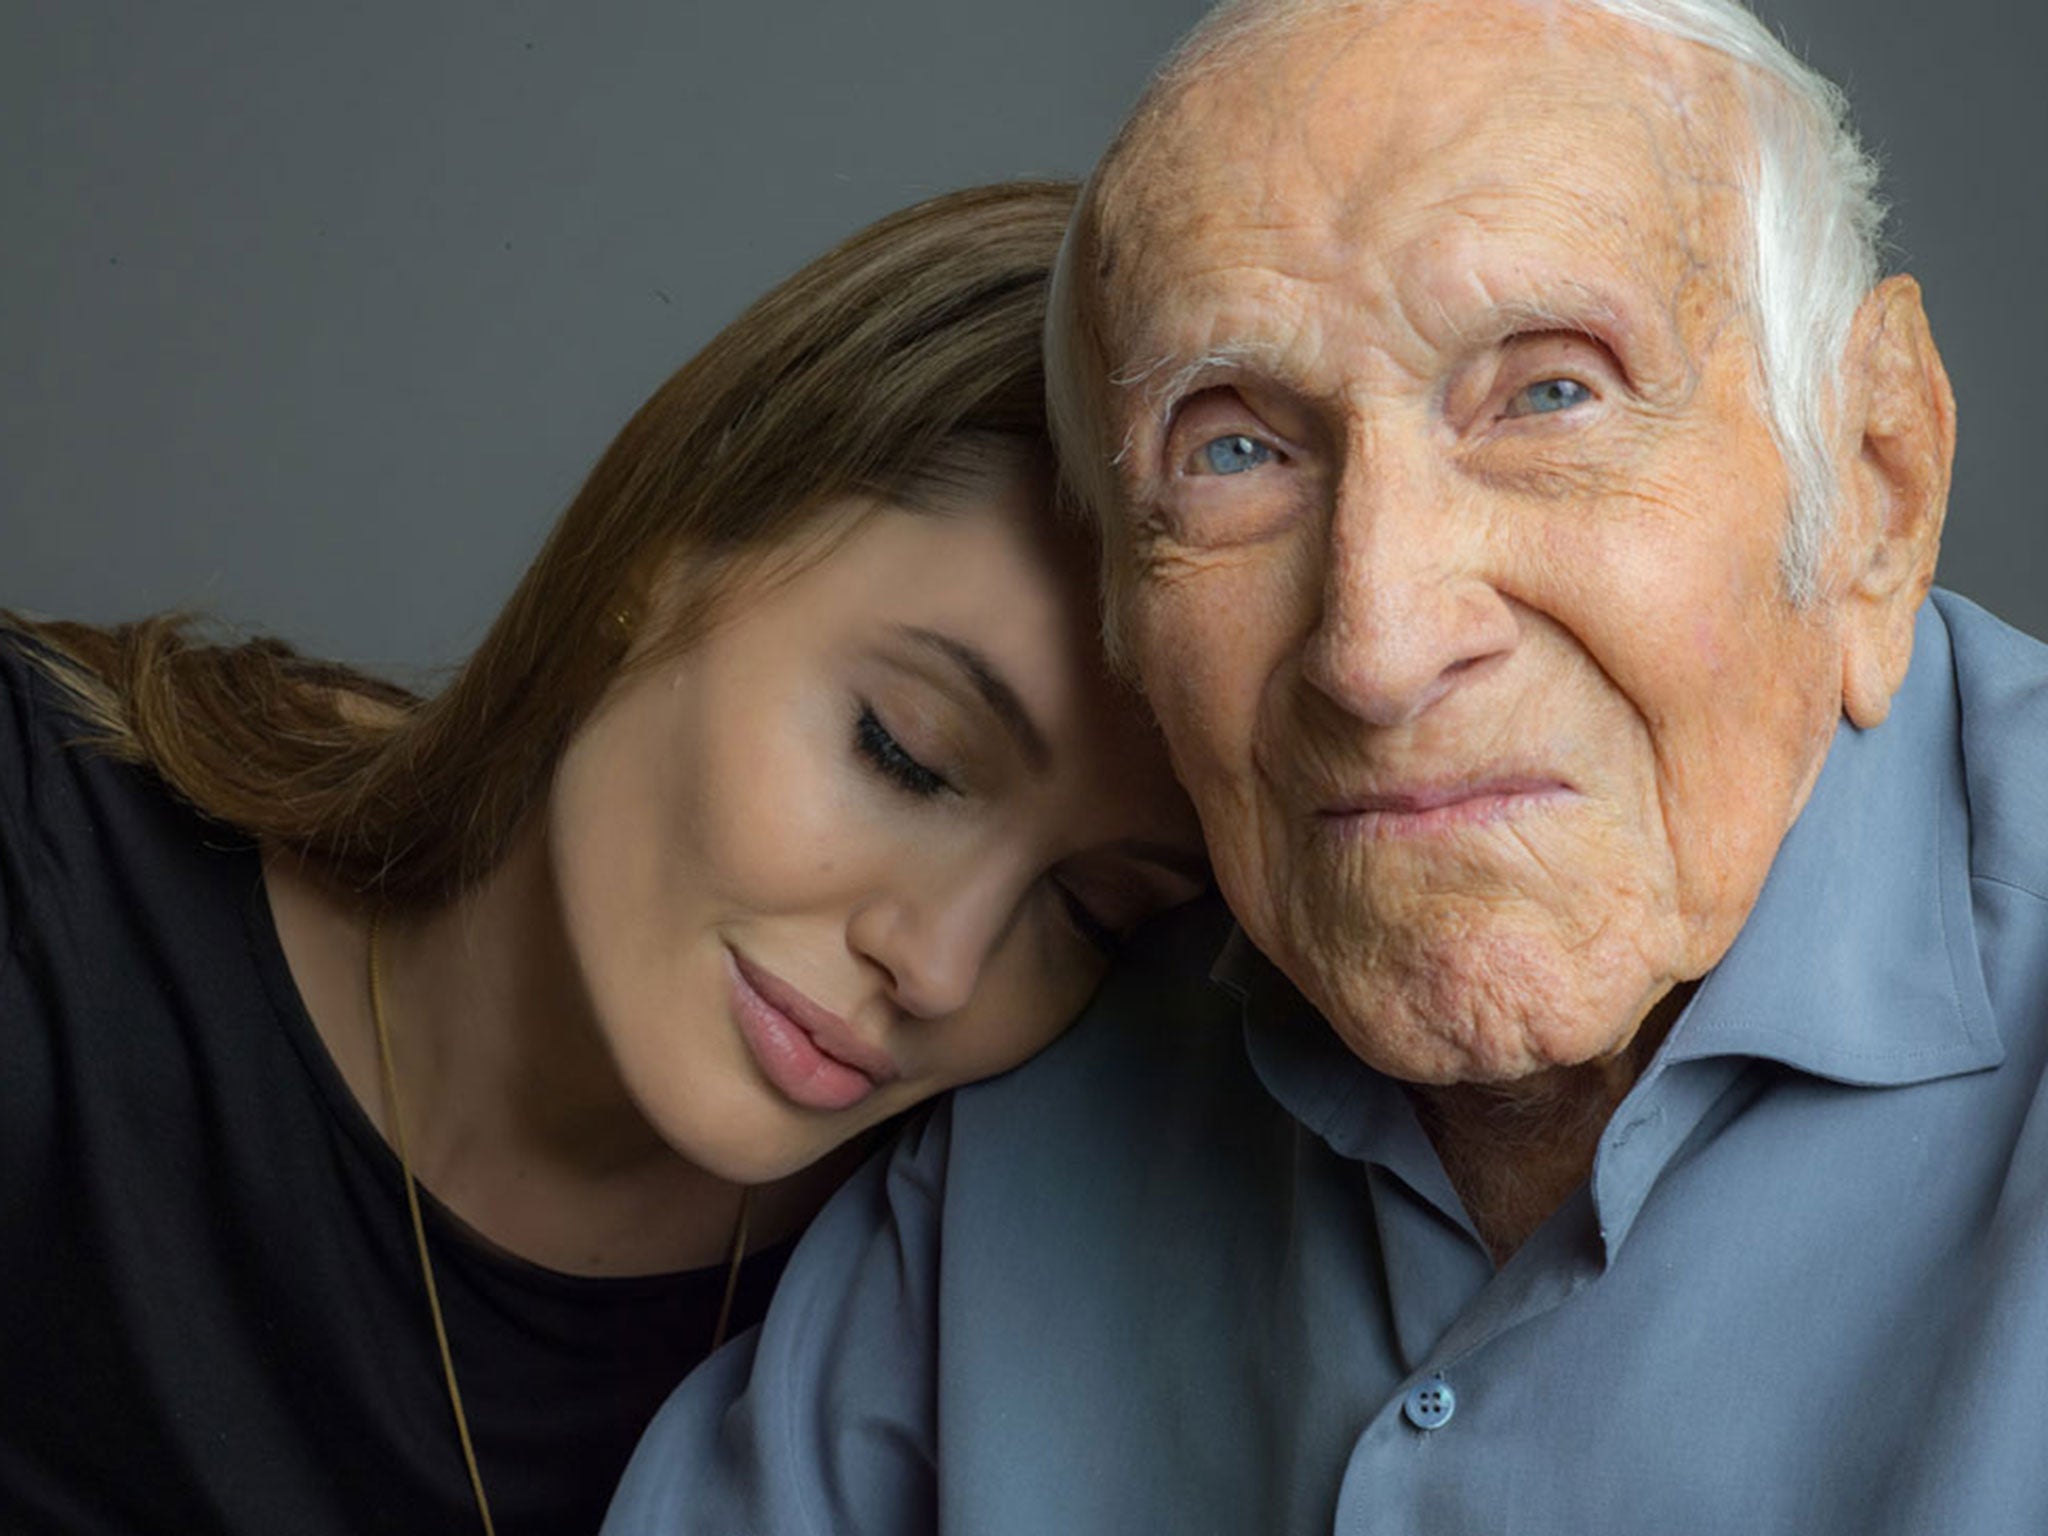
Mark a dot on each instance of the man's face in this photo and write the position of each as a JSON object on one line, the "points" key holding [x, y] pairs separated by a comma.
{"points": [[1455, 524]]}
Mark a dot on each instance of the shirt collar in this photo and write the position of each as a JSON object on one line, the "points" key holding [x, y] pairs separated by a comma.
{"points": [[1362, 1114], [1858, 963]]}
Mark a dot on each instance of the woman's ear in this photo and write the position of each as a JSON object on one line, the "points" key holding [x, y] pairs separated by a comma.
{"points": [[1898, 437]]}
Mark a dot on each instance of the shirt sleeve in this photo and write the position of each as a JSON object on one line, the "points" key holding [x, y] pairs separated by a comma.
{"points": [[822, 1421]]}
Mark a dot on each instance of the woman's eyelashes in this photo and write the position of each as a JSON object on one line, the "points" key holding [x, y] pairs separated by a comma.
{"points": [[887, 756], [1090, 927]]}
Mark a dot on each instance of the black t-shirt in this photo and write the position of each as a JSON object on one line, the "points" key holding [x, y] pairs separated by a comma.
{"points": [[211, 1313]]}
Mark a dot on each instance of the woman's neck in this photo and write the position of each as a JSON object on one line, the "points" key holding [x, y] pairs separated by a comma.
{"points": [[515, 1116]]}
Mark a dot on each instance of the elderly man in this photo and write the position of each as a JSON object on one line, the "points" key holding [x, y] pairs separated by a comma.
{"points": [[1623, 1106]]}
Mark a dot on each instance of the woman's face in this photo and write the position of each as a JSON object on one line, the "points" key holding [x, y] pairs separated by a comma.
{"points": [[872, 837]]}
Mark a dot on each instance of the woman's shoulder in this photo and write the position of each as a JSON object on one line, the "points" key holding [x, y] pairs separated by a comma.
{"points": [[48, 697], [34, 722], [72, 804], [44, 814]]}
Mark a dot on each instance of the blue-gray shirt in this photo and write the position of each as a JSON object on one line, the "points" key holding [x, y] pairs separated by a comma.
{"points": [[1197, 1269]]}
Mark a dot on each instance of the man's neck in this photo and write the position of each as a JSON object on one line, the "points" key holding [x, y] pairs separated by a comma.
{"points": [[1514, 1152]]}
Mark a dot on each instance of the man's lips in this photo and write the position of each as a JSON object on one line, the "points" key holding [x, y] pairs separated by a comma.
{"points": [[1422, 807], [811, 1055]]}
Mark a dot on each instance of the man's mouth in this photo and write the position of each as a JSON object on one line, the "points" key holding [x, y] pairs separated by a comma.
{"points": [[1421, 808]]}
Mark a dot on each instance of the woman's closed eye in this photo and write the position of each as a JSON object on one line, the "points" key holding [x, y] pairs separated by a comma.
{"points": [[888, 757], [1084, 922]]}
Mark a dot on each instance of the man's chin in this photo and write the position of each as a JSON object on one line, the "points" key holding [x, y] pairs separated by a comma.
{"points": [[1495, 1028]]}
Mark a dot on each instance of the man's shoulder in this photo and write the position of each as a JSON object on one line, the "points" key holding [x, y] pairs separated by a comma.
{"points": [[2002, 698], [1151, 1081], [1157, 1029], [1101, 1205], [1990, 653]]}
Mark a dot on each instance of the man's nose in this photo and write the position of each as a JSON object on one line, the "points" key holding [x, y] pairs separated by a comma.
{"points": [[1407, 606], [932, 932]]}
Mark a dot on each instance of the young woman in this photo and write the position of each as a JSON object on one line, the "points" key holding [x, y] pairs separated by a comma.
{"points": [[398, 1096]]}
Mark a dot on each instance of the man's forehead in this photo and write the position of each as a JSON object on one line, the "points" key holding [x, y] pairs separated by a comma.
{"points": [[1417, 141]]}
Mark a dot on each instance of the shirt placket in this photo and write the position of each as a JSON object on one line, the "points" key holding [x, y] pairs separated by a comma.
{"points": [[1424, 1457]]}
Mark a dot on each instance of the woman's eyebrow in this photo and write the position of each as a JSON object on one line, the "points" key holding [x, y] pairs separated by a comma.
{"points": [[994, 690]]}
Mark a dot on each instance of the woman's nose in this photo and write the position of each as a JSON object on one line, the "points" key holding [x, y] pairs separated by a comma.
{"points": [[933, 943]]}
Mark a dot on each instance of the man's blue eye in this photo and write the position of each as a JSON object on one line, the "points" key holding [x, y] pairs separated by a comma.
{"points": [[1548, 395], [1235, 454]]}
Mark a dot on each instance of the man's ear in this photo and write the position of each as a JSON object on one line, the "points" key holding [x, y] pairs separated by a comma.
{"points": [[1898, 439]]}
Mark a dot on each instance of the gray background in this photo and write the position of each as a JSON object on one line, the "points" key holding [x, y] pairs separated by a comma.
{"points": [[313, 317]]}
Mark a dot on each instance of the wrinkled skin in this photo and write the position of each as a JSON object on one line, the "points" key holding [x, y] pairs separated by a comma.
{"points": [[1455, 524]]}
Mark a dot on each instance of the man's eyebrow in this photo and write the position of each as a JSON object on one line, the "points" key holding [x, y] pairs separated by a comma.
{"points": [[993, 688], [1581, 311], [1165, 379]]}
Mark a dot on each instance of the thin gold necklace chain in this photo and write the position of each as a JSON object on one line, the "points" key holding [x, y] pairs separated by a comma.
{"points": [[419, 1231]]}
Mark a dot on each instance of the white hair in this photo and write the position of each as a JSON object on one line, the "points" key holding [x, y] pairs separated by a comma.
{"points": [[1810, 189]]}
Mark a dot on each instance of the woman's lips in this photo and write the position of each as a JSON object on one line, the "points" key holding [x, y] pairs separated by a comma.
{"points": [[809, 1053], [1421, 809]]}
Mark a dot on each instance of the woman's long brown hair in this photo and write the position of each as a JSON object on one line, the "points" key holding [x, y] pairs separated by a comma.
{"points": [[873, 372]]}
